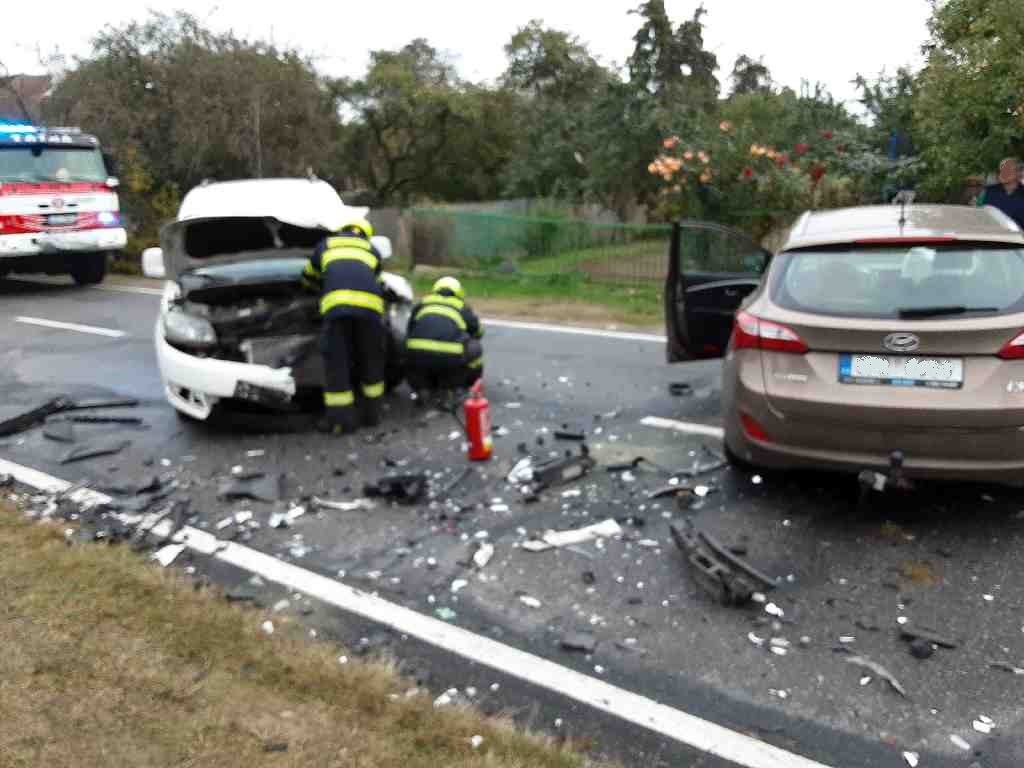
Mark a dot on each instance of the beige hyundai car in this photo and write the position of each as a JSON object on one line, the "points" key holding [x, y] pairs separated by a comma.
{"points": [[873, 330]]}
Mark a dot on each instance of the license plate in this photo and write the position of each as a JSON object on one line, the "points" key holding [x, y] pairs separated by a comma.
{"points": [[936, 372], [61, 219]]}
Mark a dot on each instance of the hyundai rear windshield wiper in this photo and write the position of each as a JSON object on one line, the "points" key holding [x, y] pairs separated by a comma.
{"points": [[909, 313]]}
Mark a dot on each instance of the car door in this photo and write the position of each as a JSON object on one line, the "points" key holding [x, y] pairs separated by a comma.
{"points": [[712, 270]]}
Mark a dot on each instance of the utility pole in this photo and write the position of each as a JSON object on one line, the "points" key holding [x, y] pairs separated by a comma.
{"points": [[259, 139]]}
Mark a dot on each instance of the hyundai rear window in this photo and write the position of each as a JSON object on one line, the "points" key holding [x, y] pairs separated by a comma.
{"points": [[893, 282]]}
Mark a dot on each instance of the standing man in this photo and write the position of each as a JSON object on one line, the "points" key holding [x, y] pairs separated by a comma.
{"points": [[1007, 195], [346, 269], [443, 349]]}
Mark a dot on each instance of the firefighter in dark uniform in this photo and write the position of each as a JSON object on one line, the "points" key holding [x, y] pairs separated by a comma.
{"points": [[345, 268], [442, 346]]}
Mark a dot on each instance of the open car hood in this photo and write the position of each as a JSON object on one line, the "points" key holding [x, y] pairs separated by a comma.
{"points": [[238, 221]]}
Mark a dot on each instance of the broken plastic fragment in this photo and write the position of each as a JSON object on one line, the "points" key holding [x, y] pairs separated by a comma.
{"points": [[167, 555], [982, 727], [604, 529], [757, 479], [959, 742], [773, 610], [758, 641], [445, 614], [344, 506], [529, 602], [268, 627], [483, 555], [458, 585], [701, 491], [912, 759]]}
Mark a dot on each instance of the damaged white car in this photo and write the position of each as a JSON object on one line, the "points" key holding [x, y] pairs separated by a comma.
{"points": [[236, 327]]}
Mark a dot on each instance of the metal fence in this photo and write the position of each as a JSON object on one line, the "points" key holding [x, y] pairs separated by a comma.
{"points": [[497, 244]]}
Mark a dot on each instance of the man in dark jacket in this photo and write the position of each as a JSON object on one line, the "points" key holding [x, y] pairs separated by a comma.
{"points": [[442, 346], [345, 268], [1007, 195]]}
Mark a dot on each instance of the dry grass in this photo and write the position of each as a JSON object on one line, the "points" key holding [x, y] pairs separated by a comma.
{"points": [[108, 661]]}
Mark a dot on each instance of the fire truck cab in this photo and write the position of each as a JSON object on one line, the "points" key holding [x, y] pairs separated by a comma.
{"points": [[59, 212]]}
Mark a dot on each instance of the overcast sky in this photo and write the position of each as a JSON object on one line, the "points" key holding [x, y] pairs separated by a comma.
{"points": [[814, 39]]}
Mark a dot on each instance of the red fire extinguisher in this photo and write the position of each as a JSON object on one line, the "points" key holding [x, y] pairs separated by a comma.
{"points": [[478, 424]]}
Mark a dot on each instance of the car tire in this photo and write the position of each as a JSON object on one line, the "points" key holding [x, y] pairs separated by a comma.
{"points": [[89, 269]]}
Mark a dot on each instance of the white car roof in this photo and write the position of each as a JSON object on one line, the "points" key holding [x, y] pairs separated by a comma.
{"points": [[923, 222], [307, 203]]}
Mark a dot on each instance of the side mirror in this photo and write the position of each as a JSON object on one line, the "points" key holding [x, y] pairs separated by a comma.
{"points": [[113, 182], [383, 246], [153, 263]]}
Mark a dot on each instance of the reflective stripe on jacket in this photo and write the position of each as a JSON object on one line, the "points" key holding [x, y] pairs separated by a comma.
{"points": [[346, 269], [441, 324]]}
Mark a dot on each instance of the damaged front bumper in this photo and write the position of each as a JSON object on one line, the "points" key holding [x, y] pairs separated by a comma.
{"points": [[194, 385]]}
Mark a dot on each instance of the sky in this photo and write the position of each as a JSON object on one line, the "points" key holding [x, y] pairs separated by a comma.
{"points": [[817, 40]]}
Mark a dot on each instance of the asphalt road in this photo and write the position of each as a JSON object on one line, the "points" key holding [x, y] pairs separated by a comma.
{"points": [[947, 556]]}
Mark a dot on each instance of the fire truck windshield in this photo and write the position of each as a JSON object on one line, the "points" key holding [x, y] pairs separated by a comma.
{"points": [[44, 163]]}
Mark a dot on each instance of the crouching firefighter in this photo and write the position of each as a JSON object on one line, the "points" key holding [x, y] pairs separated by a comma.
{"points": [[442, 348], [345, 268]]}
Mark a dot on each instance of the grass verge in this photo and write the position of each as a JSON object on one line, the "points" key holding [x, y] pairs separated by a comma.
{"points": [[109, 661]]}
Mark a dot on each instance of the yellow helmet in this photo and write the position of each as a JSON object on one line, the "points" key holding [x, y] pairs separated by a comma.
{"points": [[362, 226], [451, 285]]}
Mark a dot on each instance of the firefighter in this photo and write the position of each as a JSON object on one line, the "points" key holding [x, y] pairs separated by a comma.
{"points": [[443, 348], [345, 268]]}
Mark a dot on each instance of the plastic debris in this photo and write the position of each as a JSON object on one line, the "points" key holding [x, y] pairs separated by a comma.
{"points": [[879, 670], [556, 539], [680, 389], [983, 726], [267, 627], [344, 506], [729, 579], [94, 450], [167, 555], [255, 453], [405, 489], [256, 487], [483, 555], [458, 585], [529, 602], [476, 741], [960, 743], [912, 759], [583, 642], [757, 480], [445, 614], [758, 641]]}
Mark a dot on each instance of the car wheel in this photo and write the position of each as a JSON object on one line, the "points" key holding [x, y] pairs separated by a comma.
{"points": [[89, 269]]}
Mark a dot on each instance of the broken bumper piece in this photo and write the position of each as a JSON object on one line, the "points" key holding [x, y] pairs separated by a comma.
{"points": [[728, 578], [194, 385]]}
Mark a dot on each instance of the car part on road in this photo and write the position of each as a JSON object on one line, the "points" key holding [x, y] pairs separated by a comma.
{"points": [[911, 632], [59, 430], [483, 555], [95, 450], [1005, 666], [565, 470], [343, 506], [35, 416], [680, 389], [103, 419], [583, 642], [97, 403], [258, 487], [726, 577], [880, 671], [556, 539], [406, 489], [568, 433]]}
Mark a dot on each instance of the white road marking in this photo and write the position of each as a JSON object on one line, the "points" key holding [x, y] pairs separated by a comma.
{"points": [[71, 327], [685, 427], [574, 330], [672, 723]]}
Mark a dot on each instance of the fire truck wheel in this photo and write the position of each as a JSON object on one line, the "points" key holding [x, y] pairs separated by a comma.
{"points": [[89, 269]]}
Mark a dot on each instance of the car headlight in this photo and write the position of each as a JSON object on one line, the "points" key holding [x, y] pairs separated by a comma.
{"points": [[189, 330]]}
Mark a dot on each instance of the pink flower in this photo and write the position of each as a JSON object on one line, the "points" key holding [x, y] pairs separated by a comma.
{"points": [[827, 135], [748, 172], [725, 126], [802, 148], [670, 143]]}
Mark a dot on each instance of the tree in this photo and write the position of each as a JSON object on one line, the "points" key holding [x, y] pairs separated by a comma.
{"points": [[673, 63], [969, 111], [889, 100], [750, 76]]}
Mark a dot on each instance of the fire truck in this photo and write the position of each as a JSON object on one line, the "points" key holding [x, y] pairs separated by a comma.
{"points": [[59, 212]]}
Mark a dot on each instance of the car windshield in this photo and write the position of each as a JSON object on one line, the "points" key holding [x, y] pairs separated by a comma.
{"points": [[921, 281], [51, 164]]}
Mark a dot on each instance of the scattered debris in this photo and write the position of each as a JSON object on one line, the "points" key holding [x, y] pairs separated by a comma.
{"points": [[680, 389], [560, 471], [567, 433], [922, 649], [267, 627], [445, 614], [35, 416], [728, 578], [983, 725], [405, 489], [59, 430], [167, 555], [555, 539], [912, 759], [94, 450], [458, 585], [880, 671], [529, 602], [344, 506], [255, 453], [79, 419], [476, 741], [483, 555], [1005, 666], [960, 743], [583, 642], [256, 487]]}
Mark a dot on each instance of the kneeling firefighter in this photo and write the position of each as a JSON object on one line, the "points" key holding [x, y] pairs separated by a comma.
{"points": [[442, 346], [345, 268]]}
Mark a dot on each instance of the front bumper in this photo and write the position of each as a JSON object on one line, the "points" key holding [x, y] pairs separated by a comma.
{"points": [[194, 385], [47, 243]]}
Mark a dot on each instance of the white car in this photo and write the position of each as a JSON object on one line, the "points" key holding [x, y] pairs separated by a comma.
{"points": [[235, 323]]}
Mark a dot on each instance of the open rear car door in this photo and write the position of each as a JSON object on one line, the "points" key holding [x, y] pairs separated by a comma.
{"points": [[712, 270]]}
